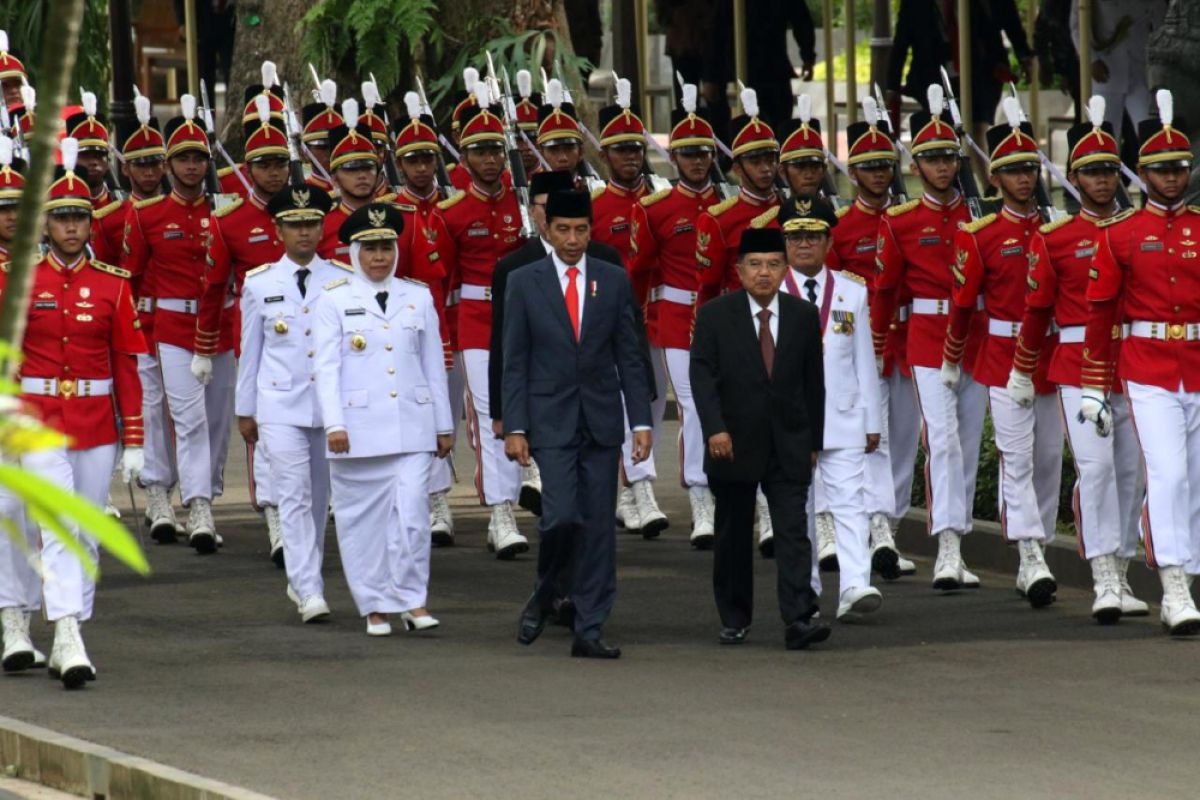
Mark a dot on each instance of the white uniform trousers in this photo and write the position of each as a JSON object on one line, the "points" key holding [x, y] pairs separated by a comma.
{"points": [[157, 450], [658, 407], [20, 586], [258, 463], [1167, 425], [200, 420], [497, 480], [879, 489], [952, 425], [300, 477], [903, 420], [383, 529], [67, 590], [691, 436], [1024, 439], [441, 477], [1109, 479], [843, 474]]}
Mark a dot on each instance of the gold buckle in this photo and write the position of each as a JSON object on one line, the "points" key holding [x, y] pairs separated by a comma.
{"points": [[1176, 331], [66, 389]]}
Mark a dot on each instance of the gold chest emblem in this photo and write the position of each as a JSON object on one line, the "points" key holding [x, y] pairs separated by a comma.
{"points": [[358, 343], [281, 326]]}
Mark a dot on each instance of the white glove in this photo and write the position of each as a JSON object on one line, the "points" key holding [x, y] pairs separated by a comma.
{"points": [[951, 375], [879, 364], [1093, 407], [1020, 388], [202, 368], [133, 460]]}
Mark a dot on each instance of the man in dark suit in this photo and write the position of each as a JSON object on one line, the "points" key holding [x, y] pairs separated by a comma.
{"points": [[571, 356], [758, 381]]}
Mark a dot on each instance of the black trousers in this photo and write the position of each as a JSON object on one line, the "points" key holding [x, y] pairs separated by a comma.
{"points": [[733, 555], [577, 530]]}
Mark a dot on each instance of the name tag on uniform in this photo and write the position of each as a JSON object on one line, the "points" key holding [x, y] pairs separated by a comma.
{"points": [[46, 304], [684, 228], [260, 238], [354, 312], [928, 240], [275, 299], [1084, 252], [865, 248], [173, 235], [619, 228], [1011, 251], [1148, 247], [476, 232]]}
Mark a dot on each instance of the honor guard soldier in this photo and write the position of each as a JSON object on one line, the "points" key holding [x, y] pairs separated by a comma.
{"points": [[12, 183], [235, 180], [664, 240], [381, 389], [1141, 275], [372, 118], [559, 138], [354, 165], [527, 121], [916, 243], [802, 154], [276, 399], [92, 134], [474, 230], [78, 372], [1109, 483], [166, 246], [244, 236], [853, 409], [12, 74], [460, 176], [992, 259], [320, 119]]}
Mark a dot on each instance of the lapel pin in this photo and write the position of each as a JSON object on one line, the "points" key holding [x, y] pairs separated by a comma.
{"points": [[593, 288]]}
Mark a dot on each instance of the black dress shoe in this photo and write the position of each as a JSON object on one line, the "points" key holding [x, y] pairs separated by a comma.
{"points": [[733, 635], [767, 548], [593, 648], [530, 499], [532, 622], [564, 612], [802, 633]]}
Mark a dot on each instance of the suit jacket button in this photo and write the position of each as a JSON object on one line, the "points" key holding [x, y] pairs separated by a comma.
{"points": [[393, 393], [387, 347], [391, 370]]}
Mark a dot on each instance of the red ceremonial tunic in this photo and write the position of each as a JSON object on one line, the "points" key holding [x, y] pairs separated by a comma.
{"points": [[230, 183], [718, 233], [108, 226], [855, 239], [612, 212], [420, 258]]}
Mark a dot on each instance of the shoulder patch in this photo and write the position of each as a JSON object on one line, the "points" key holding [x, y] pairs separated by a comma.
{"points": [[723, 206], [149, 201], [422, 284], [111, 270], [651, 199], [390, 197], [341, 265], [766, 218], [259, 269], [1124, 215], [336, 283], [903, 208], [108, 209], [841, 212], [450, 202], [850, 276], [599, 191], [979, 224], [1050, 227], [229, 209]]}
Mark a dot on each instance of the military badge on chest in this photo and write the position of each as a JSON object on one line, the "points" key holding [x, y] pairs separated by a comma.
{"points": [[843, 321]]}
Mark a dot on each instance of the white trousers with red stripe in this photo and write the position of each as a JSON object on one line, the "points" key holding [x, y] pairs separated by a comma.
{"points": [[842, 481], [67, 590], [300, 475], [200, 420], [691, 436], [1109, 479], [1029, 443], [159, 454], [952, 426], [20, 586], [1167, 424], [497, 480], [441, 476], [903, 434], [646, 471]]}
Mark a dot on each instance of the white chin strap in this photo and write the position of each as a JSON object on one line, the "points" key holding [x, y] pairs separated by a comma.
{"points": [[356, 249]]}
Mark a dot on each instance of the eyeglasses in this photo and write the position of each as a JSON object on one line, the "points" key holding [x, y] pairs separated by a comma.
{"points": [[804, 237]]}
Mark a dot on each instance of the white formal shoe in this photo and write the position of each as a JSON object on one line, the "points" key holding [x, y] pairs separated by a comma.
{"points": [[504, 538], [702, 518], [160, 515], [421, 623], [110, 509], [766, 528], [906, 566], [1131, 606], [379, 628], [948, 569], [68, 658], [885, 558], [441, 524], [18, 648], [827, 558], [39, 658], [274, 533], [853, 603], [627, 513], [1178, 614], [1106, 608], [1034, 579], [969, 579], [651, 520], [530, 498], [313, 609], [202, 534]]}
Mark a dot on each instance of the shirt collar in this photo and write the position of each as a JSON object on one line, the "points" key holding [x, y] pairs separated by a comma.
{"points": [[773, 306], [1017, 216], [937, 205], [562, 267]]}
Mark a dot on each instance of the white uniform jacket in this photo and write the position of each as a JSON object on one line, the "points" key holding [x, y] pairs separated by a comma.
{"points": [[852, 402], [277, 369], [381, 375]]}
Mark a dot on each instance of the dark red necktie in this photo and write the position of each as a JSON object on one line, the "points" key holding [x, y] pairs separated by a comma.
{"points": [[766, 342], [572, 298]]}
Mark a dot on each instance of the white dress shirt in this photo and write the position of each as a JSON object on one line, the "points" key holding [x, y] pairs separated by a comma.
{"points": [[772, 321], [580, 280]]}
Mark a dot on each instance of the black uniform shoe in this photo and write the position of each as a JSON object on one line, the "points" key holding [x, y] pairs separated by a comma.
{"points": [[733, 635], [593, 648], [801, 634]]}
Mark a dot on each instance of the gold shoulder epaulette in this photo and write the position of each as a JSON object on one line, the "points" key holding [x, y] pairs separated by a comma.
{"points": [[903, 208], [4, 266], [108, 209], [111, 270], [223, 171], [850, 276], [1124, 215], [766, 218], [723, 206], [1193, 209], [390, 197], [599, 191], [257, 270], [651, 199], [149, 201], [1054, 225], [450, 202], [841, 212], [417, 282], [229, 209], [341, 265], [407, 207], [336, 283], [979, 224]]}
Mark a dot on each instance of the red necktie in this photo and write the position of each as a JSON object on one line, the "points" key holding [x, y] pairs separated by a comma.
{"points": [[572, 298], [766, 342]]}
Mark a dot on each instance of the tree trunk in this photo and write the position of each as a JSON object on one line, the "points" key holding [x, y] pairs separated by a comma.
{"points": [[59, 44]]}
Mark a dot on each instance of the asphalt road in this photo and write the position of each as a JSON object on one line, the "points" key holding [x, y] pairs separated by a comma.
{"points": [[205, 666]]}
